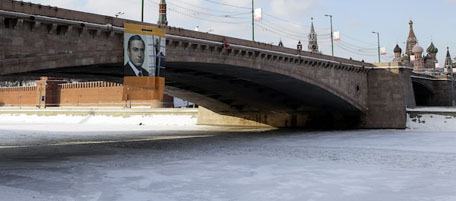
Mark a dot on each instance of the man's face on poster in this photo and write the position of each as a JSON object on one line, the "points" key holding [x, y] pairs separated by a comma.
{"points": [[136, 52]]}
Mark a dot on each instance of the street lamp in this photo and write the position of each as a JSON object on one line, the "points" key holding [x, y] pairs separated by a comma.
{"points": [[253, 20], [332, 36], [378, 42], [142, 11]]}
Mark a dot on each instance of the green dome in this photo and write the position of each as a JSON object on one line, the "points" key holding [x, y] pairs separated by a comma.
{"points": [[432, 49]]}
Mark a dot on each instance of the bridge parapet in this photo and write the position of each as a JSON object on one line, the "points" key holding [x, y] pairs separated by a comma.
{"points": [[55, 12], [105, 22], [32, 43], [261, 46]]}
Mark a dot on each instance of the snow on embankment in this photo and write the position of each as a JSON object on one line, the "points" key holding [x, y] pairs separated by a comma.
{"points": [[116, 117], [432, 119]]}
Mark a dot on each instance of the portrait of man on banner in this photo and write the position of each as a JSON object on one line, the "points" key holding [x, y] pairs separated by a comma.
{"points": [[145, 51], [136, 49]]}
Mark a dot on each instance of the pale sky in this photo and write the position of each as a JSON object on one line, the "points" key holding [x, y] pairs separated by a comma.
{"points": [[289, 20]]}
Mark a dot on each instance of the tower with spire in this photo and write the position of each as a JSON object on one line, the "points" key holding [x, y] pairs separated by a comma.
{"points": [[162, 21], [411, 40], [448, 63], [313, 44]]}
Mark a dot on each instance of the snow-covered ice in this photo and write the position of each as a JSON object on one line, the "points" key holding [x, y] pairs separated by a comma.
{"points": [[432, 119], [86, 160]]}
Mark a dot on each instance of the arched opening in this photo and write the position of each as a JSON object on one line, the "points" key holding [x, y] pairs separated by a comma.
{"points": [[260, 96], [423, 95]]}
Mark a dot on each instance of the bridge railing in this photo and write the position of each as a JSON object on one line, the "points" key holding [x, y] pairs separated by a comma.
{"points": [[173, 31]]}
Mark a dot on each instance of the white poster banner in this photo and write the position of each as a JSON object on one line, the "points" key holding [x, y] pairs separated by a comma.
{"points": [[336, 36], [383, 51], [258, 14]]}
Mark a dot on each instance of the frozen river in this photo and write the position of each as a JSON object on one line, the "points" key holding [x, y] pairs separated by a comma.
{"points": [[77, 161]]}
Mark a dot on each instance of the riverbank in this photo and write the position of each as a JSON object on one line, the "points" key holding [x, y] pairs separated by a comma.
{"points": [[431, 118], [424, 118]]}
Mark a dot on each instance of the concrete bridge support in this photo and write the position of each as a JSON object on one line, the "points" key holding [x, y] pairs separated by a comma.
{"points": [[390, 93]]}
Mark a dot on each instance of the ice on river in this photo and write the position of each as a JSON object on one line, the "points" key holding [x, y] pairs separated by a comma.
{"points": [[71, 160]]}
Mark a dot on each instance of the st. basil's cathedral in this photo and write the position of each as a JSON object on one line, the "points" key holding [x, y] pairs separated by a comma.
{"points": [[423, 64]]}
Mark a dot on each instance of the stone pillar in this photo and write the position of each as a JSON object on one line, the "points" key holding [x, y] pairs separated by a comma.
{"points": [[41, 86], [390, 91], [47, 92]]}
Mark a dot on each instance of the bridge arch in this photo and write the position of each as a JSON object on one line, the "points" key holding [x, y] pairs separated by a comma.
{"points": [[330, 84], [423, 94]]}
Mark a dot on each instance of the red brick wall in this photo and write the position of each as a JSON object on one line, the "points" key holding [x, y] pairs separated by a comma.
{"points": [[98, 94], [90, 94], [18, 96]]}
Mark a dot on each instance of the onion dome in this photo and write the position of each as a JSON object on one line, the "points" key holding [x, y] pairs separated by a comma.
{"points": [[417, 49], [432, 49], [397, 49]]}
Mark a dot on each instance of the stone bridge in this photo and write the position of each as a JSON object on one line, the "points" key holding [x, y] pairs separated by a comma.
{"points": [[249, 80], [433, 91]]}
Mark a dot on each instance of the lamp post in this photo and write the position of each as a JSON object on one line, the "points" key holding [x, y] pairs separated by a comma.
{"points": [[253, 20], [378, 43], [332, 36], [142, 11]]}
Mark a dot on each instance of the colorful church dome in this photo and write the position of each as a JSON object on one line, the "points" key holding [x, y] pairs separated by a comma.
{"points": [[417, 49], [397, 49], [432, 49]]}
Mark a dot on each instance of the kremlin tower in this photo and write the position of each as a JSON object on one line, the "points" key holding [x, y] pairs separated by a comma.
{"points": [[313, 44], [162, 21]]}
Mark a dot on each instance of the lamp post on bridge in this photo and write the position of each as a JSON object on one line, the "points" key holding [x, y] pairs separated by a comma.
{"points": [[142, 11], [253, 20], [332, 36], [378, 43]]}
